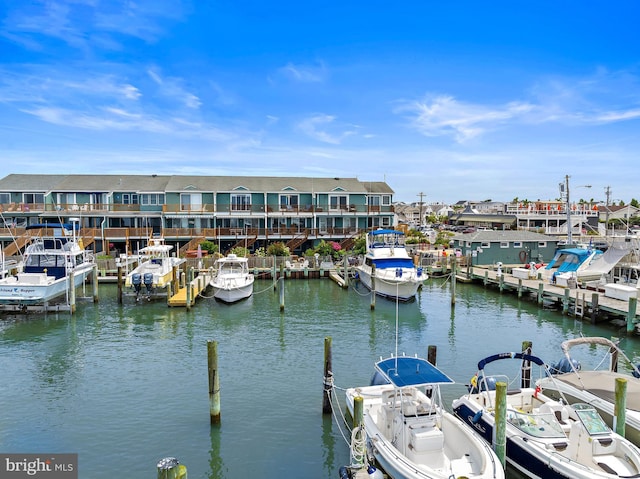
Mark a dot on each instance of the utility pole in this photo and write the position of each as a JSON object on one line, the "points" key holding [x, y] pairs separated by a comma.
{"points": [[607, 192], [421, 195]]}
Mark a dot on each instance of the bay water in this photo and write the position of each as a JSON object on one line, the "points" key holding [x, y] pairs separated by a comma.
{"points": [[124, 386]]}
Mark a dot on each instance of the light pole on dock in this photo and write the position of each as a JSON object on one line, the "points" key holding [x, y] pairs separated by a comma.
{"points": [[564, 190]]}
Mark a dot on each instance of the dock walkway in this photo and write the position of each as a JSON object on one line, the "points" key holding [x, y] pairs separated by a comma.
{"points": [[581, 301], [197, 285]]}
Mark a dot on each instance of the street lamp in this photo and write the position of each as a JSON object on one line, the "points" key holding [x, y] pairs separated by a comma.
{"points": [[564, 188]]}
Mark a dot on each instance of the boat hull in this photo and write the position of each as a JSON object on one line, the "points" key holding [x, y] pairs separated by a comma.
{"points": [[388, 285], [38, 288], [228, 293]]}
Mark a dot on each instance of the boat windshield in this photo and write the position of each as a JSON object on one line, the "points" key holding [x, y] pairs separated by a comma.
{"points": [[537, 424], [592, 421]]}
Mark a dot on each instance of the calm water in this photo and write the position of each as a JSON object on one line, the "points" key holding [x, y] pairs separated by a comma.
{"points": [[124, 386]]}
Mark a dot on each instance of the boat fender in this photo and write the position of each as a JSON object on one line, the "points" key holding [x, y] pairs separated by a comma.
{"points": [[634, 373], [419, 272], [476, 417], [374, 473], [344, 473]]}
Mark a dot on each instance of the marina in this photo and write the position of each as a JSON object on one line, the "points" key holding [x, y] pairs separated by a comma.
{"points": [[125, 385]]}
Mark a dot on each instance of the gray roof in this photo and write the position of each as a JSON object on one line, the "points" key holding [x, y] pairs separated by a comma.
{"points": [[176, 183], [502, 235]]}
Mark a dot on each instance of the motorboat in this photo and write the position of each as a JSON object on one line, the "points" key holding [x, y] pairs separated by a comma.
{"points": [[570, 265], [409, 433], [232, 280], [387, 268], [54, 259], [154, 270], [597, 386], [545, 438]]}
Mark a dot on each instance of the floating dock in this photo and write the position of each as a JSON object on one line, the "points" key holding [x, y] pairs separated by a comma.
{"points": [[186, 296]]}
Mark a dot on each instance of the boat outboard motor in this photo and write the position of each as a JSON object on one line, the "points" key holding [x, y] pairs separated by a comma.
{"points": [[136, 282], [148, 281], [564, 366]]}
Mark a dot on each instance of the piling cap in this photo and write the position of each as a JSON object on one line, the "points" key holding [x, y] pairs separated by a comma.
{"points": [[167, 463]]}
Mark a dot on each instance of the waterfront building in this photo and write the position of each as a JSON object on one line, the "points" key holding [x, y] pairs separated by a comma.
{"points": [[505, 246], [119, 211]]}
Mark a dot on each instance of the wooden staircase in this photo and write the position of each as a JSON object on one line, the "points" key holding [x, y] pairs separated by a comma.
{"points": [[245, 243], [347, 243], [193, 244], [296, 241], [18, 244]]}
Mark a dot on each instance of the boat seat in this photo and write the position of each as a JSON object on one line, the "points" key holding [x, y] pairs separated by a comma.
{"points": [[426, 437]]}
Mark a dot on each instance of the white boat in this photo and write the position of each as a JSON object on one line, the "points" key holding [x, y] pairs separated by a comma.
{"points": [[232, 280], [597, 386], [572, 264], [408, 431], [50, 260], [546, 438], [155, 268], [387, 268]]}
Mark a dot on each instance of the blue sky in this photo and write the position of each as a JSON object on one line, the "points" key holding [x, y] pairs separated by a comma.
{"points": [[455, 100]]}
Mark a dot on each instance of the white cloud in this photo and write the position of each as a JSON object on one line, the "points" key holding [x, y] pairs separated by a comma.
{"points": [[316, 128], [304, 73]]}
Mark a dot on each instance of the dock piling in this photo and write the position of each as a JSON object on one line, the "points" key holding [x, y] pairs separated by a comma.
{"points": [[499, 441], [631, 314], [328, 377], [620, 406], [214, 382], [170, 468]]}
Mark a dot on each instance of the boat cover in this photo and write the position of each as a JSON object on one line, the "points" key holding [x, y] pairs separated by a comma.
{"points": [[385, 263], [406, 371]]}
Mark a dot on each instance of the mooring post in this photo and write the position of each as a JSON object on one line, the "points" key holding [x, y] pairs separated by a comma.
{"points": [[631, 314], [595, 298], [214, 382], [526, 365], [119, 284], [328, 377], [499, 441], [485, 281], [72, 292], [620, 406], [358, 419], [188, 289], [169, 292], [453, 261], [281, 280], [95, 283], [540, 292], [170, 468], [566, 301], [519, 287], [373, 286], [432, 352]]}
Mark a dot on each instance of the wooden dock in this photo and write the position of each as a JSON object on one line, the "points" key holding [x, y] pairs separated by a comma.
{"points": [[186, 296], [581, 302]]}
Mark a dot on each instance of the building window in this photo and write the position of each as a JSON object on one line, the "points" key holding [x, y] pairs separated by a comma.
{"points": [[129, 199], [504, 244], [386, 221], [338, 202], [33, 198], [517, 244], [240, 202], [386, 200], [288, 202], [5, 198], [152, 199], [485, 244], [542, 244]]}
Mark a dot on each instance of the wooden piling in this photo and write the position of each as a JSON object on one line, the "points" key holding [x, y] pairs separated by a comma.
{"points": [[566, 301], [170, 468], [373, 286], [499, 441], [120, 284], [358, 419], [72, 292], [595, 297], [432, 352], [188, 289], [95, 283], [281, 281], [328, 377], [631, 315], [453, 261], [620, 406], [214, 382], [526, 365], [540, 292], [519, 287]]}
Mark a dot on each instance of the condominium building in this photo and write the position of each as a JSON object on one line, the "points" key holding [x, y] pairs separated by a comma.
{"points": [[122, 211]]}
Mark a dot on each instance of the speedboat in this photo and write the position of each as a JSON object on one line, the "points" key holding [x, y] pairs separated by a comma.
{"points": [[232, 280], [408, 432], [572, 264], [597, 386], [545, 438], [387, 268], [155, 269], [53, 259]]}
